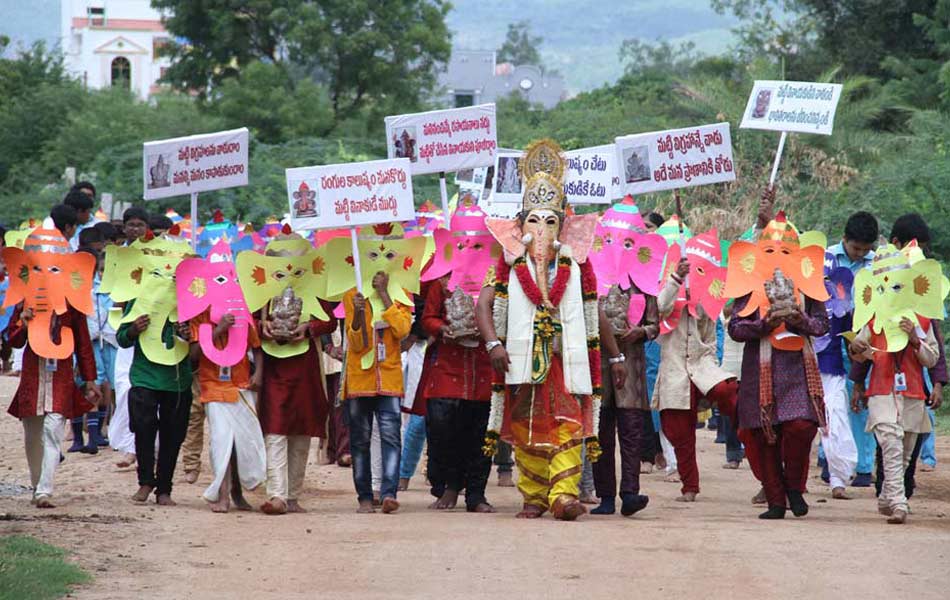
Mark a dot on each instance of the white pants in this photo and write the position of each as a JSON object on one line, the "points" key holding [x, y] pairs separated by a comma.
{"points": [[897, 446], [837, 439], [376, 458], [43, 438], [18, 359], [412, 361], [668, 453], [234, 427], [121, 437], [286, 464]]}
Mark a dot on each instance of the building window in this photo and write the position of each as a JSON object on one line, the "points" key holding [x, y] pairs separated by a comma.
{"points": [[121, 73], [158, 43], [463, 99], [96, 15]]}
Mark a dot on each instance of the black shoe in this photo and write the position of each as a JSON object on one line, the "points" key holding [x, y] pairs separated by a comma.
{"points": [[774, 512], [633, 503], [608, 506], [861, 480], [797, 503]]}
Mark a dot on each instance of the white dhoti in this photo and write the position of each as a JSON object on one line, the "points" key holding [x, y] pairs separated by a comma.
{"points": [[43, 438], [840, 450], [234, 428], [121, 437]]}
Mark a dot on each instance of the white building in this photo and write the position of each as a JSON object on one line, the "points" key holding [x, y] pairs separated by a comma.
{"points": [[104, 42]]}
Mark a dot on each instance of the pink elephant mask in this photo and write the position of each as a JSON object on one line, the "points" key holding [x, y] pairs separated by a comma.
{"points": [[467, 250], [212, 282], [706, 281], [625, 252]]}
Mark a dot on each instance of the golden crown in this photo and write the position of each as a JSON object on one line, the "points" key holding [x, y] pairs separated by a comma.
{"points": [[542, 169]]}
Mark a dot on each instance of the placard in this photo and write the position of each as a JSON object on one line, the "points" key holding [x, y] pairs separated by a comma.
{"points": [[676, 158], [507, 185], [196, 163], [444, 140], [797, 106], [350, 194], [591, 176]]}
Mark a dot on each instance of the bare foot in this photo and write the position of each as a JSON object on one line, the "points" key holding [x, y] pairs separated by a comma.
{"points": [[366, 507], [142, 495], [530, 511], [588, 498], [506, 479], [241, 503], [43, 501], [481, 507], [274, 506], [126, 460], [732, 464], [222, 505], [390, 505], [926, 468], [191, 476], [898, 518], [567, 508], [345, 461], [760, 497], [376, 500], [448, 500], [646, 468], [165, 500], [659, 461], [294, 507], [839, 493], [403, 484], [687, 497], [672, 477]]}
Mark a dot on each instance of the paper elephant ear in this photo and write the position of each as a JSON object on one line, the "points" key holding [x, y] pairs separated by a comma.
{"points": [[577, 233], [507, 232], [304, 268], [47, 277], [671, 321], [444, 255]]}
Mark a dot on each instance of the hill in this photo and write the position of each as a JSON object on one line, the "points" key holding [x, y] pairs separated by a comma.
{"points": [[582, 38]]}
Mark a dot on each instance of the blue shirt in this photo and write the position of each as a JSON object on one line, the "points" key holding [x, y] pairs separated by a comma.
{"points": [[833, 360]]}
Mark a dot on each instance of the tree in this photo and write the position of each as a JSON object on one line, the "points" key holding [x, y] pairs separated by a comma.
{"points": [[520, 47], [859, 35], [361, 51], [662, 57], [37, 98]]}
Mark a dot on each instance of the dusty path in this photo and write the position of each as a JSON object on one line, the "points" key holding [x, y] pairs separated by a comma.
{"points": [[714, 548]]}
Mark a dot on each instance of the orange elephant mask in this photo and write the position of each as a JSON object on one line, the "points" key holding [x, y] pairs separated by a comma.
{"points": [[45, 275]]}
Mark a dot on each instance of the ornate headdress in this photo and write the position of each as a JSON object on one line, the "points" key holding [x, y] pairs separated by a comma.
{"points": [[542, 168]]}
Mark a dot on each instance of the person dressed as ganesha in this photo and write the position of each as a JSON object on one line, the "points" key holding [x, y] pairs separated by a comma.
{"points": [[540, 321]]}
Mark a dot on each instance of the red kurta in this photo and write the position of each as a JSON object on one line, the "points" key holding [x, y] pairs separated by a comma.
{"points": [[453, 371], [292, 399], [66, 399]]}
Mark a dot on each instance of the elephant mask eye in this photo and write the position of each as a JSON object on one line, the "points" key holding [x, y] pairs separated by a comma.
{"points": [[220, 279], [55, 270]]}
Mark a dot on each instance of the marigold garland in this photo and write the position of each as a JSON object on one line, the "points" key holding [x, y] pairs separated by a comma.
{"points": [[491, 443], [530, 287]]}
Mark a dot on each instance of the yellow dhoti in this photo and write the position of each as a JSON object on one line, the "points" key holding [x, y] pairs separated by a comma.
{"points": [[549, 472]]}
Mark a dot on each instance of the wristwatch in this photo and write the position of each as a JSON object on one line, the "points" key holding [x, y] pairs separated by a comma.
{"points": [[489, 346], [617, 359]]}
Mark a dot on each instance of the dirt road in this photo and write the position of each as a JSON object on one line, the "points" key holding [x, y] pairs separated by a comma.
{"points": [[713, 548]]}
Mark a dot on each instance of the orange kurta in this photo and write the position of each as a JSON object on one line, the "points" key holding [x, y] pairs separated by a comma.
{"points": [[384, 377], [209, 374]]}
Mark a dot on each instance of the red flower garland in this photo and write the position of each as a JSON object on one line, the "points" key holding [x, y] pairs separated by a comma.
{"points": [[530, 287]]}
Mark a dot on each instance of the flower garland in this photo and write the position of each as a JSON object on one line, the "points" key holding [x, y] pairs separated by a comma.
{"points": [[530, 287]]}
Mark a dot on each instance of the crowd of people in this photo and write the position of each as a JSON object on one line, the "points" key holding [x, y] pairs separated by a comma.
{"points": [[547, 382]]}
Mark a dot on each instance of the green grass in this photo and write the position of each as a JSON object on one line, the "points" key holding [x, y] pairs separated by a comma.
{"points": [[31, 569]]}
